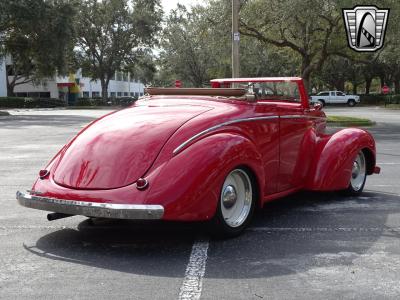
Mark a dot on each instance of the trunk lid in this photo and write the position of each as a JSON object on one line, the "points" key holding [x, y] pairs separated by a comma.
{"points": [[117, 150]]}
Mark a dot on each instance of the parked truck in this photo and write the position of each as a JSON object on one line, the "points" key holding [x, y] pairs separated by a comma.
{"points": [[335, 97]]}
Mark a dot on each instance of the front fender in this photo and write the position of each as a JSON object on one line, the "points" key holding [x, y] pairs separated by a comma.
{"points": [[334, 158], [189, 185]]}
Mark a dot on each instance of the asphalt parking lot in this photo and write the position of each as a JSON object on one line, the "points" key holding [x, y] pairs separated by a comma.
{"points": [[306, 246]]}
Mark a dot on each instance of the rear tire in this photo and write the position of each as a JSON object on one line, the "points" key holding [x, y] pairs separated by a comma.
{"points": [[358, 175], [235, 206], [351, 103]]}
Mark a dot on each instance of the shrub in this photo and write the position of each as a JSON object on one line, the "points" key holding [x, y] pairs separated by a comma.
{"points": [[90, 102], [392, 99], [84, 102], [372, 99], [20, 102]]}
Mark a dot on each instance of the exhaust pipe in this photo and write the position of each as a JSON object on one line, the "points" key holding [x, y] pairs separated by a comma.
{"points": [[56, 216]]}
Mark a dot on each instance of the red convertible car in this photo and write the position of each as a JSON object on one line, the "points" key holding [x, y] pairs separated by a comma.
{"points": [[213, 154]]}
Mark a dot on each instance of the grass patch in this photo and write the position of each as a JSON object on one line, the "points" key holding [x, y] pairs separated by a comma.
{"points": [[349, 121]]}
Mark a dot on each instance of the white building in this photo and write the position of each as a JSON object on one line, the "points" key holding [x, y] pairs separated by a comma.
{"points": [[3, 82], [121, 85]]}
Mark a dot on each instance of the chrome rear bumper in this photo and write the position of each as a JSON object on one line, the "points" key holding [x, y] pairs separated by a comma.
{"points": [[92, 209]]}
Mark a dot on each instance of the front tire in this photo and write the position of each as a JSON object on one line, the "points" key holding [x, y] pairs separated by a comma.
{"points": [[322, 102], [358, 175], [236, 204]]}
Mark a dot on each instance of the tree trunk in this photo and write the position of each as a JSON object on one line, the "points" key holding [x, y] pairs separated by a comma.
{"points": [[382, 78], [104, 89], [10, 87], [367, 85], [306, 73], [10, 91], [339, 85]]}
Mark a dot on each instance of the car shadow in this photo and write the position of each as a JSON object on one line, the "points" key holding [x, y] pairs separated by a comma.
{"points": [[288, 236]]}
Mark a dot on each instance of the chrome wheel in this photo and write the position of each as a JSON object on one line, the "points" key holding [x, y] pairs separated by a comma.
{"points": [[358, 172], [236, 198]]}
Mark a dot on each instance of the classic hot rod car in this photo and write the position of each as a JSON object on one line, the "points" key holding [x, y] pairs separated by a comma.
{"points": [[213, 154]]}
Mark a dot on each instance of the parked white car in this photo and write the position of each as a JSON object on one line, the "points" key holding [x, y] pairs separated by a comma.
{"points": [[335, 97]]}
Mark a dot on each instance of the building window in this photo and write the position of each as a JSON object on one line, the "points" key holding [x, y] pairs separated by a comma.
{"points": [[119, 94], [112, 94], [34, 94], [45, 95], [85, 94], [126, 94], [126, 76], [141, 94], [136, 94], [132, 94], [95, 94]]}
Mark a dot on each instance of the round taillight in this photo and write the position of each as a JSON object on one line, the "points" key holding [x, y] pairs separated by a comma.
{"points": [[142, 183], [43, 174]]}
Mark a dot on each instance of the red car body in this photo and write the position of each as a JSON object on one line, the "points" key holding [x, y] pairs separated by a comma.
{"points": [[182, 147]]}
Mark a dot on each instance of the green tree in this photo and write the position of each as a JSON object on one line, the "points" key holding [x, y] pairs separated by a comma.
{"points": [[196, 47], [389, 56], [336, 71], [185, 48], [114, 34], [311, 29], [38, 36]]}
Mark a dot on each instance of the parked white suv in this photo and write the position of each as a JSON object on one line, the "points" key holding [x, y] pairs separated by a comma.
{"points": [[335, 97]]}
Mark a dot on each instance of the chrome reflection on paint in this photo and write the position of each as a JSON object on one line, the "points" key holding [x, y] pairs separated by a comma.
{"points": [[204, 132], [196, 136]]}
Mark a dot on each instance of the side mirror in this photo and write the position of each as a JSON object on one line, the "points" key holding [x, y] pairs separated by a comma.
{"points": [[317, 106]]}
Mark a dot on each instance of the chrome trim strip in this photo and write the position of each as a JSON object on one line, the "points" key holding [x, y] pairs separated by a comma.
{"points": [[92, 209], [312, 117], [294, 117], [188, 141], [301, 117]]}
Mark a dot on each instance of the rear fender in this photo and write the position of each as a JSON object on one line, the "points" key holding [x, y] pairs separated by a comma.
{"points": [[189, 185], [334, 156]]}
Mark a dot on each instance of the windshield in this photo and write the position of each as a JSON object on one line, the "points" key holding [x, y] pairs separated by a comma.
{"points": [[272, 91]]}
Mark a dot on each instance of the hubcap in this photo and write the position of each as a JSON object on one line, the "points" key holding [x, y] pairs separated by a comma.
{"points": [[358, 172], [229, 196], [236, 198]]}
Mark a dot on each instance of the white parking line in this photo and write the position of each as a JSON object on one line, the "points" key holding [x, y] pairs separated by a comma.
{"points": [[195, 270]]}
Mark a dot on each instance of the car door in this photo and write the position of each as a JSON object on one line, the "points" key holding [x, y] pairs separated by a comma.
{"points": [[332, 97], [340, 97], [267, 141], [293, 126]]}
